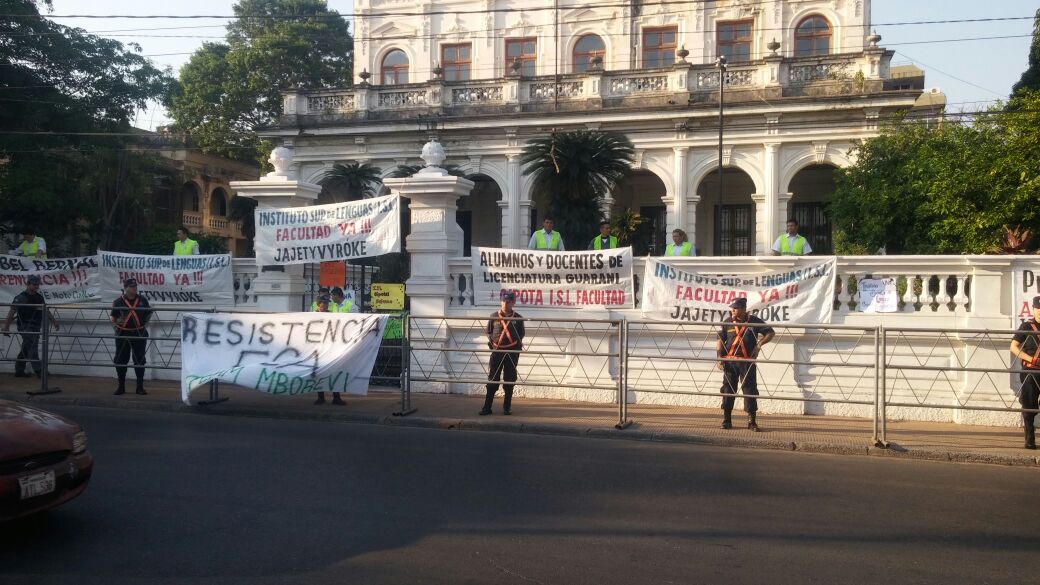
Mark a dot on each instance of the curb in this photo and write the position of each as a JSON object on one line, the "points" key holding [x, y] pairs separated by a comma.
{"points": [[895, 451]]}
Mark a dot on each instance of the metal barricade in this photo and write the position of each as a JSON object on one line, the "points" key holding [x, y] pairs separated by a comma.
{"points": [[582, 355], [815, 365], [967, 374], [30, 342]]}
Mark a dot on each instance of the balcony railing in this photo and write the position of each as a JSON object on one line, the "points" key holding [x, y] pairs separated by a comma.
{"points": [[682, 83]]}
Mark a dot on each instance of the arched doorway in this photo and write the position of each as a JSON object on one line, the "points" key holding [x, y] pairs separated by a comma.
{"points": [[643, 192], [190, 197], [735, 217], [811, 190], [479, 215]]}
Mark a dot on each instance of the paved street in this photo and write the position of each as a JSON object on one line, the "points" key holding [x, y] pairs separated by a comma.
{"points": [[214, 499]]}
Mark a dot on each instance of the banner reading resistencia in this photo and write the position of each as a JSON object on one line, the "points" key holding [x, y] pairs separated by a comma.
{"points": [[200, 280], [597, 278], [282, 353], [1026, 286], [62, 280], [801, 295], [338, 231]]}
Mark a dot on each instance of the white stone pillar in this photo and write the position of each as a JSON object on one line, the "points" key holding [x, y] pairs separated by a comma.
{"points": [[691, 222], [435, 235], [435, 238], [512, 232], [783, 211], [679, 196], [761, 223], [279, 288], [767, 225]]}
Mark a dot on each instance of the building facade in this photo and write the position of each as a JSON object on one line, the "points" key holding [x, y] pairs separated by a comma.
{"points": [[805, 80]]}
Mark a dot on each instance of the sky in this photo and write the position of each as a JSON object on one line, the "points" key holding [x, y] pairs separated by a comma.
{"points": [[972, 73]]}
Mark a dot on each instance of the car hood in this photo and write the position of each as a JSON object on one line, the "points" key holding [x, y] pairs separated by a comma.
{"points": [[26, 431]]}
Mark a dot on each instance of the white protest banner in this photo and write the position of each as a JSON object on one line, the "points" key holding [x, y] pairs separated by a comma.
{"points": [[878, 295], [800, 295], [338, 231], [285, 354], [199, 280], [597, 278], [62, 280], [1026, 285]]}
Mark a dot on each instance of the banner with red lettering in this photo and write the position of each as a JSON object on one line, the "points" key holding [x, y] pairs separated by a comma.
{"points": [[598, 279], [804, 294], [183, 280], [321, 233], [1026, 285], [62, 280]]}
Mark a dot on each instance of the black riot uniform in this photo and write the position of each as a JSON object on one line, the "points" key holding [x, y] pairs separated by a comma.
{"points": [[130, 318], [505, 335], [739, 341], [1028, 338]]}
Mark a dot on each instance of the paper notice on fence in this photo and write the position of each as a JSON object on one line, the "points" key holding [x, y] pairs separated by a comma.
{"points": [[286, 354], [62, 280], [878, 295], [192, 280], [1026, 285], [338, 231], [800, 295], [594, 279]]}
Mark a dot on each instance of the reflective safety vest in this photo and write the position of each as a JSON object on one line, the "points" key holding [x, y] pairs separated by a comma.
{"points": [[29, 249], [554, 240], [738, 350], [333, 307], [685, 250], [345, 307], [184, 248], [597, 242], [785, 246]]}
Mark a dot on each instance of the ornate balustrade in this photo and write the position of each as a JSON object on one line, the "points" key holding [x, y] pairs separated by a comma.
{"points": [[852, 70]]}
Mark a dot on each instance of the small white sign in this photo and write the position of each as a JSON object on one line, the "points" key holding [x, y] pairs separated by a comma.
{"points": [[878, 295]]}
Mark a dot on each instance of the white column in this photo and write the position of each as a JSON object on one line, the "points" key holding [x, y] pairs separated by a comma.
{"points": [[691, 222], [761, 223], [679, 200], [783, 211], [279, 288], [767, 224], [512, 232], [435, 235]]}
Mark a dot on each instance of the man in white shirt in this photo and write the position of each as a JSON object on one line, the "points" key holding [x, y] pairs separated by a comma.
{"points": [[791, 244], [546, 238], [31, 246]]}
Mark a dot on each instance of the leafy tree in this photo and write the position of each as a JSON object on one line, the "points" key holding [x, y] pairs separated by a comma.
{"points": [[228, 90], [354, 180], [242, 210], [925, 188], [1031, 77], [71, 166], [573, 171]]}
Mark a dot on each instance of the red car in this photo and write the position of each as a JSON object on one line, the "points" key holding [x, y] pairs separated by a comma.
{"points": [[44, 460]]}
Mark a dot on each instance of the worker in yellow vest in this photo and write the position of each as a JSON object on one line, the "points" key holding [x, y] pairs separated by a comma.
{"points": [[185, 246], [31, 246], [791, 244], [546, 238], [322, 292], [340, 304], [604, 240], [680, 245]]}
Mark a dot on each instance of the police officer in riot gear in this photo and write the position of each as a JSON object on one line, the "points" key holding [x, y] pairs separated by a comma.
{"points": [[740, 342]]}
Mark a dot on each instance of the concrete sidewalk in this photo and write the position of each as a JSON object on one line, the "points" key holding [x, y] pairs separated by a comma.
{"points": [[822, 434]]}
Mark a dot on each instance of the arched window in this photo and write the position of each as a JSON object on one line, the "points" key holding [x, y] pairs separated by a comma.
{"points": [[812, 37], [218, 203], [395, 68], [585, 49], [190, 197]]}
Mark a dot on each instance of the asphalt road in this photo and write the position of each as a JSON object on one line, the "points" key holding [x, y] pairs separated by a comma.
{"points": [[179, 498]]}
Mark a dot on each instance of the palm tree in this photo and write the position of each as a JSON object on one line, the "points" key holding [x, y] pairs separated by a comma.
{"points": [[356, 180], [573, 172], [403, 171]]}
